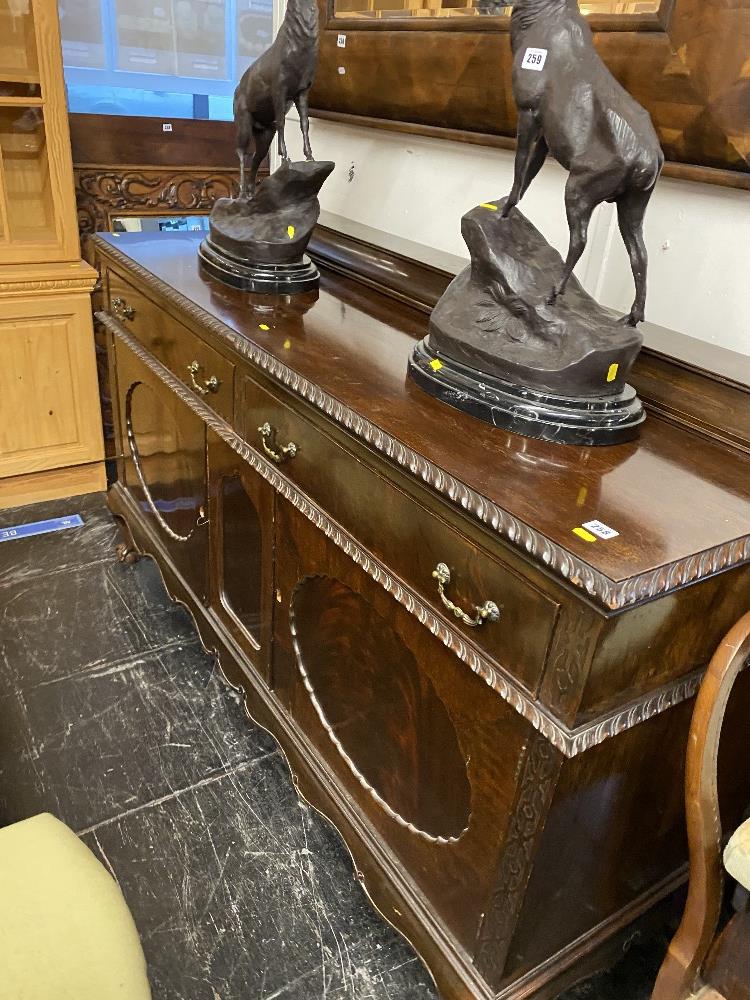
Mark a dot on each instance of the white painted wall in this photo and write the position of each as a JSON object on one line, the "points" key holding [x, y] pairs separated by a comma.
{"points": [[698, 235]]}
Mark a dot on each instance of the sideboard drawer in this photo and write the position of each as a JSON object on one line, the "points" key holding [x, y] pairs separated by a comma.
{"points": [[409, 539], [200, 367]]}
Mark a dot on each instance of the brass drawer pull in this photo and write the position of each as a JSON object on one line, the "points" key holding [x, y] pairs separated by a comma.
{"points": [[209, 385], [487, 612], [121, 309], [285, 451]]}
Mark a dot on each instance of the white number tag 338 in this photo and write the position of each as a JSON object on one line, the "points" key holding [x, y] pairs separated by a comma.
{"points": [[534, 59]]}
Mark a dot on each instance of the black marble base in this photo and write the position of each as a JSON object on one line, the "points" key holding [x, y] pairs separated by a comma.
{"points": [[594, 420], [252, 276]]}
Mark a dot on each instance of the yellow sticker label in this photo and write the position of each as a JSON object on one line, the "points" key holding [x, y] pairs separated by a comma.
{"points": [[287, 344], [263, 326], [436, 365], [582, 494], [585, 535], [488, 204], [290, 231], [612, 373]]}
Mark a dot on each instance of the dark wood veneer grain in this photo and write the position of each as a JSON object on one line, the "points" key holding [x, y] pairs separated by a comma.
{"points": [[450, 77], [136, 140]]}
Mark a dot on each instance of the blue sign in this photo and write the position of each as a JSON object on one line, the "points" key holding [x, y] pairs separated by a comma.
{"points": [[40, 527]]}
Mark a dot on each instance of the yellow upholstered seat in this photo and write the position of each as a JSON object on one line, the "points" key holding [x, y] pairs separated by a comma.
{"points": [[737, 855], [65, 930]]}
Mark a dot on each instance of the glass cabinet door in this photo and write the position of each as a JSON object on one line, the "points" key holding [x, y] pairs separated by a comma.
{"points": [[164, 466], [37, 207], [241, 508]]}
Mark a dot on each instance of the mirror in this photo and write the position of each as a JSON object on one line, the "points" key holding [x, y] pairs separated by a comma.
{"points": [[159, 223], [370, 9]]}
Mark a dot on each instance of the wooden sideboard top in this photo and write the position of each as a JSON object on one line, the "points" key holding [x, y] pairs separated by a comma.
{"points": [[680, 502]]}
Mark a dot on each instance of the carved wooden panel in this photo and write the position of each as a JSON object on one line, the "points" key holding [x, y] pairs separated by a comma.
{"points": [[103, 192], [541, 769]]}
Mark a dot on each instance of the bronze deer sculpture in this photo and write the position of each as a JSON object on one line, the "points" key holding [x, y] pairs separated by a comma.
{"points": [[570, 105], [282, 76]]}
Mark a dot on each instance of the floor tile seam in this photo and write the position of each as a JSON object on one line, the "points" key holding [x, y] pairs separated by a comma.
{"points": [[120, 665], [177, 793]]}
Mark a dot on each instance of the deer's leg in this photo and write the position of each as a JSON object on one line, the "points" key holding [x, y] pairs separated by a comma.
{"points": [[536, 162], [244, 132], [304, 121], [529, 134], [631, 208], [263, 140], [279, 110], [579, 205]]}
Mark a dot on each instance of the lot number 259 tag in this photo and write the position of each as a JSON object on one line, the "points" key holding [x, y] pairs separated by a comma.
{"points": [[534, 59]]}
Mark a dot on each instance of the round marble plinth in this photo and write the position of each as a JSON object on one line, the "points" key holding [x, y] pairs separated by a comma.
{"points": [[593, 420], [255, 276]]}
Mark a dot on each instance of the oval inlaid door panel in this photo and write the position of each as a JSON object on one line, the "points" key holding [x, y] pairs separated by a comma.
{"points": [[167, 461], [381, 712]]}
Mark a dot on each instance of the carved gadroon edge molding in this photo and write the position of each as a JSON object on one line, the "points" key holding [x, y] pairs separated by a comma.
{"points": [[569, 742], [614, 595]]}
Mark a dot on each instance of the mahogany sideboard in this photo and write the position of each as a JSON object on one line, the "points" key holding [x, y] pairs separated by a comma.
{"points": [[511, 791]]}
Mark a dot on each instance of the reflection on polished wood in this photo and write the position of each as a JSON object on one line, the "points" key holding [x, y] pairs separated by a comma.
{"points": [[470, 8]]}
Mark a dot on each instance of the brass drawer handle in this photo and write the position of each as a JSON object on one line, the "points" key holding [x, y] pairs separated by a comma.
{"points": [[209, 385], [487, 612], [285, 451], [121, 309]]}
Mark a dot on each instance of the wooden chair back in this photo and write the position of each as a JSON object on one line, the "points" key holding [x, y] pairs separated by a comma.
{"points": [[680, 974]]}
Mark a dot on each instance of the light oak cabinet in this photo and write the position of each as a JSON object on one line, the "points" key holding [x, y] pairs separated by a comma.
{"points": [[50, 431]]}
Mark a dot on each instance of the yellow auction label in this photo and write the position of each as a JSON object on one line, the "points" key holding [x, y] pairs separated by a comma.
{"points": [[263, 326], [612, 372], [585, 535], [290, 231], [488, 204], [436, 365]]}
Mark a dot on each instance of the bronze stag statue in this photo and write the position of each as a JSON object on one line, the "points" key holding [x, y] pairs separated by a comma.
{"points": [[282, 76], [570, 105]]}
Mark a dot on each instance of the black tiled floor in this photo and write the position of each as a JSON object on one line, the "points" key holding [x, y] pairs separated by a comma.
{"points": [[113, 718]]}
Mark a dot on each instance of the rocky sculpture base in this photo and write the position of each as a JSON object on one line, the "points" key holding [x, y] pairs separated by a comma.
{"points": [[259, 244], [501, 349]]}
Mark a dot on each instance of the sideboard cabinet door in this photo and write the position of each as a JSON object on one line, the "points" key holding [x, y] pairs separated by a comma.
{"points": [[163, 467], [426, 750], [241, 587]]}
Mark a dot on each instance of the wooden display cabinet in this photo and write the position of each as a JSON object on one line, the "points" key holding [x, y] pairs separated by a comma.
{"points": [[50, 435]]}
